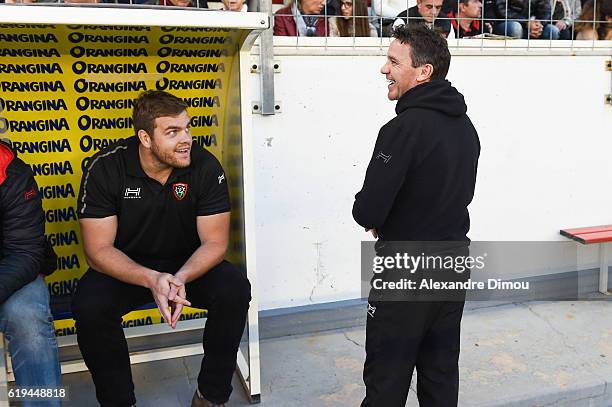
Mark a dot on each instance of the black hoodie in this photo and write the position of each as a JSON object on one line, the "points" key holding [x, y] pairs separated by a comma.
{"points": [[422, 173]]}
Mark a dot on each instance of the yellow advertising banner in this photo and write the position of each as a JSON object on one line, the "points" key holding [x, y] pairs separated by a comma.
{"points": [[67, 91]]}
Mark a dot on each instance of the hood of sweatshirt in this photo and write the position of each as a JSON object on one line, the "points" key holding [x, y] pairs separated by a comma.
{"points": [[436, 95]]}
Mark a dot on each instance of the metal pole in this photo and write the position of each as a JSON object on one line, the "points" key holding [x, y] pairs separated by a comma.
{"points": [[266, 62], [603, 268]]}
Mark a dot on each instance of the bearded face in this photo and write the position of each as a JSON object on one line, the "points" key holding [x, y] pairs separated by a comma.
{"points": [[171, 141]]}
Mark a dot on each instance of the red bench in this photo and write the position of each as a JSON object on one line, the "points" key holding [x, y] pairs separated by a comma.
{"points": [[595, 234]]}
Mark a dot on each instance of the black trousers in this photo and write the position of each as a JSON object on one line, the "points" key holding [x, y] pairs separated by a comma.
{"points": [[407, 334], [101, 301]]}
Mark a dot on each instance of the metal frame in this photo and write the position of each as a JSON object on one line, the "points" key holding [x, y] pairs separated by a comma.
{"points": [[266, 62], [603, 268], [248, 367], [253, 381]]}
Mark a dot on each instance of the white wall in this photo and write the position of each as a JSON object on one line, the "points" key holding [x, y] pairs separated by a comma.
{"points": [[546, 160]]}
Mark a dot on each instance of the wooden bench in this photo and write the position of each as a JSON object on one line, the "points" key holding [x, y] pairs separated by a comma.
{"points": [[601, 235]]}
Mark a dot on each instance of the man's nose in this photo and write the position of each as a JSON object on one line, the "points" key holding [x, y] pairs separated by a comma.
{"points": [[185, 135]]}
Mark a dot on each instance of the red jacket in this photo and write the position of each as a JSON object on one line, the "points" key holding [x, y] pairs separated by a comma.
{"points": [[285, 24]]}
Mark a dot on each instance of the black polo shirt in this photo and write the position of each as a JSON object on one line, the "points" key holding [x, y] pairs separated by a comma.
{"points": [[156, 223]]}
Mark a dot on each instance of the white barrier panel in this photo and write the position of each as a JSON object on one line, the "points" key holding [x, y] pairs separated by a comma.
{"points": [[545, 135]]}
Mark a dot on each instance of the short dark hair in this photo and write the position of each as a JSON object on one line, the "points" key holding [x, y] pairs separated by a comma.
{"points": [[427, 46], [152, 104]]}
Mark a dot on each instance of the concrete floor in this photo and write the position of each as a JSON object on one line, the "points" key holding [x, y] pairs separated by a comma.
{"points": [[524, 354]]}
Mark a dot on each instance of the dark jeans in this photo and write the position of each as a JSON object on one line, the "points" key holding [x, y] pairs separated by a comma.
{"points": [[101, 301], [403, 335]]}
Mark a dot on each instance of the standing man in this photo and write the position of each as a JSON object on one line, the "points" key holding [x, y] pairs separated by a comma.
{"points": [[154, 213], [25, 317], [417, 187]]}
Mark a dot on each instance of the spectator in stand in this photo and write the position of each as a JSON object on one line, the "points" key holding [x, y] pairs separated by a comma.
{"points": [[384, 13], [466, 19], [353, 21], [595, 21], [301, 18], [564, 12], [235, 5], [525, 19], [425, 12], [184, 3]]}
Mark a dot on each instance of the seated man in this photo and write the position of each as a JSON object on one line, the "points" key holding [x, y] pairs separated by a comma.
{"points": [[425, 12], [25, 317], [154, 212], [466, 18], [524, 20]]}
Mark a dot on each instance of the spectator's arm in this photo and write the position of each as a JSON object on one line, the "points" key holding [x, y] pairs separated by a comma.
{"points": [[575, 10], [280, 26], [444, 26], [23, 232]]}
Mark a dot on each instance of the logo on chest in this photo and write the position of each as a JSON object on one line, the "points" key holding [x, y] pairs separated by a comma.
{"points": [[132, 193], [179, 189]]}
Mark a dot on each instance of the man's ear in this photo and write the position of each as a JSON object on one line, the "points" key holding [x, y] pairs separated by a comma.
{"points": [[144, 138], [425, 73]]}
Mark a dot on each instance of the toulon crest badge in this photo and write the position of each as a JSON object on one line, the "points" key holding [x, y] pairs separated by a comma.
{"points": [[180, 190]]}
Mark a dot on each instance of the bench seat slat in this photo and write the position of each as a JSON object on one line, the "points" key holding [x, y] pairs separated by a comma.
{"points": [[600, 236], [590, 229]]}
